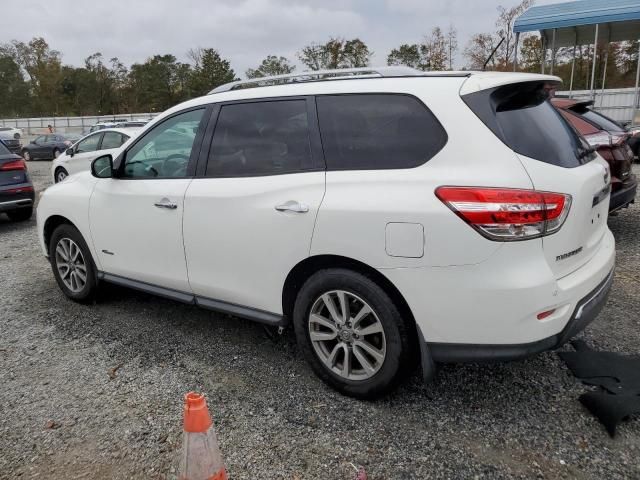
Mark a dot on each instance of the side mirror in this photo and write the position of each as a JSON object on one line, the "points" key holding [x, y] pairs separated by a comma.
{"points": [[102, 167], [70, 152]]}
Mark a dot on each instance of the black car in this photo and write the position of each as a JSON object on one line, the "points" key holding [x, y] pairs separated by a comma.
{"points": [[47, 147], [16, 190]]}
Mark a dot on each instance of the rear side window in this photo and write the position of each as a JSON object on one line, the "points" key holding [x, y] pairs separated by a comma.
{"points": [[111, 140], [3, 150], [377, 131], [260, 138], [523, 118]]}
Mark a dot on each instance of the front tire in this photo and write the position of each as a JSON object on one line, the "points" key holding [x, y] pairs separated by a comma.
{"points": [[351, 333], [26, 155], [60, 175], [72, 264], [56, 153]]}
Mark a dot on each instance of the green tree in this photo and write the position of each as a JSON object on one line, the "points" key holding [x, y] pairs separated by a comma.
{"points": [[154, 84], [336, 53], [271, 65], [434, 53], [210, 70], [14, 94]]}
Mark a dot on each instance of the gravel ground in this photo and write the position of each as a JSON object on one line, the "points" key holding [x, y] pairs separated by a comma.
{"points": [[63, 417]]}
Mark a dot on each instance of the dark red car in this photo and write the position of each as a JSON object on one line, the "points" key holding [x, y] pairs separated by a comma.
{"points": [[610, 141]]}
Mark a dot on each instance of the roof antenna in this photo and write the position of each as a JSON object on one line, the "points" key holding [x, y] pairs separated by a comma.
{"points": [[484, 67]]}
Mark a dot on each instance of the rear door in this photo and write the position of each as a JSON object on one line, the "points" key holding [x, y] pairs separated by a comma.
{"points": [[557, 160], [250, 220]]}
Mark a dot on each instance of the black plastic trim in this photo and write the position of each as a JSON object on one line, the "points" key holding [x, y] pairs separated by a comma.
{"points": [[254, 314], [623, 197], [585, 312]]}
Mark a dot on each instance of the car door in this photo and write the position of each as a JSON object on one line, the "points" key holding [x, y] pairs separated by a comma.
{"points": [[249, 221], [136, 216], [37, 147], [84, 152]]}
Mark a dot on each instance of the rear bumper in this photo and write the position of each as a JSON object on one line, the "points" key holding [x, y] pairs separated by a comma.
{"points": [[584, 313], [624, 196], [13, 197]]}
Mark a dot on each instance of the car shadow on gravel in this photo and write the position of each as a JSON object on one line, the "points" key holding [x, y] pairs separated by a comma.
{"points": [[7, 225]]}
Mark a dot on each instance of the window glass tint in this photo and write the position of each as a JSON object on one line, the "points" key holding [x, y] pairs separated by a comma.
{"points": [[261, 138], [601, 121], [523, 118], [3, 150], [89, 144], [111, 140], [374, 131], [165, 150], [39, 139]]}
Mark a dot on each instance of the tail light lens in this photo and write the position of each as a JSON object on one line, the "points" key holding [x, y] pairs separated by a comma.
{"points": [[15, 165], [598, 139], [506, 214]]}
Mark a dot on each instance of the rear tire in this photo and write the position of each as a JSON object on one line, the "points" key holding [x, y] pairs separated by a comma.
{"points": [[20, 215], [376, 358], [72, 264], [56, 153]]}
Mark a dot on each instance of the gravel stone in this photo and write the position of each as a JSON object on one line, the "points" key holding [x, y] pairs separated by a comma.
{"points": [[273, 417]]}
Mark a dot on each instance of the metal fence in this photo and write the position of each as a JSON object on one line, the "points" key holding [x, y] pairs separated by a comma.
{"points": [[32, 127], [615, 103]]}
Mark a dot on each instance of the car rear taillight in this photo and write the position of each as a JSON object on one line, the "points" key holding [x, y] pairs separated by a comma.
{"points": [[507, 214], [15, 165], [598, 139]]}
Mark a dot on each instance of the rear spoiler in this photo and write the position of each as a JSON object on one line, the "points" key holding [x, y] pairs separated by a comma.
{"points": [[486, 80]]}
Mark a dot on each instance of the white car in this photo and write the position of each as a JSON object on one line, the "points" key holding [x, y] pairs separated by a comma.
{"points": [[387, 215], [79, 156]]}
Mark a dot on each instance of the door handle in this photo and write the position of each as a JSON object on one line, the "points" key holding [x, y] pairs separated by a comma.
{"points": [[293, 206], [166, 203]]}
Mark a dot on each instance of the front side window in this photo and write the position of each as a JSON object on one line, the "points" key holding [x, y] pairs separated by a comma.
{"points": [[377, 131], [260, 138], [39, 139], [165, 150], [89, 144], [111, 140]]}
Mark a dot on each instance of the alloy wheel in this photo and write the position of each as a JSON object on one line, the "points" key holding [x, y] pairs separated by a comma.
{"points": [[347, 335], [61, 175], [71, 264]]}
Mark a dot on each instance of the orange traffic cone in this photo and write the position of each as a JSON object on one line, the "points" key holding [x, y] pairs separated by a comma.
{"points": [[201, 458]]}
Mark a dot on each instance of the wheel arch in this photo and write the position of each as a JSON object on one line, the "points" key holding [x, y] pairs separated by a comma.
{"points": [[307, 267], [50, 224]]}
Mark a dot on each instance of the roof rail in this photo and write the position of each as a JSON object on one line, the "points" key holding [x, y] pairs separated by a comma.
{"points": [[322, 75]]}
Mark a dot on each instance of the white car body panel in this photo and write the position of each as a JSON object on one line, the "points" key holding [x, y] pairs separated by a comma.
{"points": [[239, 248], [153, 253]]}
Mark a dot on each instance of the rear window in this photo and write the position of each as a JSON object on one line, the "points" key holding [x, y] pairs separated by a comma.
{"points": [[3, 150], [524, 119], [377, 131], [601, 121]]}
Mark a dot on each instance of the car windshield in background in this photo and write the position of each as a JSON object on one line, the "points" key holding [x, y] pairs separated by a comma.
{"points": [[524, 119]]}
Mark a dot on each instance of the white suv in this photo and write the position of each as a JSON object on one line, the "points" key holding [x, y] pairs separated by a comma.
{"points": [[387, 214]]}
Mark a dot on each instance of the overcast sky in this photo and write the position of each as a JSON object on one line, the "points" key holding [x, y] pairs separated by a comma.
{"points": [[243, 31]]}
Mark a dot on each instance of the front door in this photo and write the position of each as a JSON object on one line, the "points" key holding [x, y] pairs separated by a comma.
{"points": [[250, 221], [83, 154], [136, 217]]}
